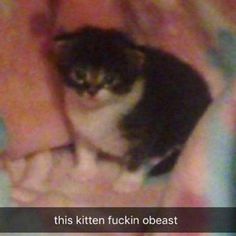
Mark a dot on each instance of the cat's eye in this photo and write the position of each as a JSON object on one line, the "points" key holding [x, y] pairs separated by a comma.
{"points": [[80, 73], [110, 81]]}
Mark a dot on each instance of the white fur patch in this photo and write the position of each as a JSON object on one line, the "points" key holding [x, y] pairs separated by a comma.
{"points": [[100, 125], [129, 181]]}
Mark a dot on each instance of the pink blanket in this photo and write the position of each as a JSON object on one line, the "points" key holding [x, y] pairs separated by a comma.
{"points": [[202, 33]]}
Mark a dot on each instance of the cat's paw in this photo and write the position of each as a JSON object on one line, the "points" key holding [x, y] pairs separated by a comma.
{"points": [[38, 171], [128, 182], [84, 173]]}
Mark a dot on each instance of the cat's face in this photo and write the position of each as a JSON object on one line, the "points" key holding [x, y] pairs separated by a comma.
{"points": [[99, 65], [96, 85]]}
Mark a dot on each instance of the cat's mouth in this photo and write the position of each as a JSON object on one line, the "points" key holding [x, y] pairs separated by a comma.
{"points": [[90, 102]]}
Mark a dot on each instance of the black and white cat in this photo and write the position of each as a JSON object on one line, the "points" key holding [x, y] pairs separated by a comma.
{"points": [[127, 100]]}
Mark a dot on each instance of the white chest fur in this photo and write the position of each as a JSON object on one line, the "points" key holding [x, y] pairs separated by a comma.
{"points": [[101, 129], [100, 126]]}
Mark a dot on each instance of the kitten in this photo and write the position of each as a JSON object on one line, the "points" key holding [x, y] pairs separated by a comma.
{"points": [[127, 100]]}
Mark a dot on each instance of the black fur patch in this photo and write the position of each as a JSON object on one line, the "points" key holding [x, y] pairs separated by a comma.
{"points": [[175, 98]]}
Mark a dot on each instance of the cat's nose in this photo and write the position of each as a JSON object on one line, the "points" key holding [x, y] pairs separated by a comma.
{"points": [[92, 91]]}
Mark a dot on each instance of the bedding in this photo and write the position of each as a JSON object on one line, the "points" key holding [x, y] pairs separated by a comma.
{"points": [[36, 163]]}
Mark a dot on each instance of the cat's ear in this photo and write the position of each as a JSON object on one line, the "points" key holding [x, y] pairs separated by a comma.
{"points": [[136, 56], [62, 45], [63, 41]]}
